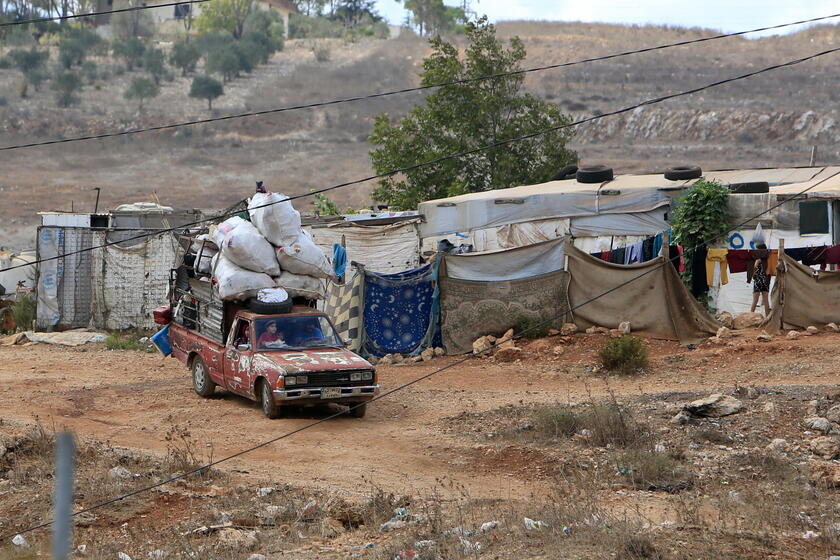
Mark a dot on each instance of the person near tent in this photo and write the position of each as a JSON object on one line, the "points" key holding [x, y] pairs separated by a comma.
{"points": [[761, 279]]}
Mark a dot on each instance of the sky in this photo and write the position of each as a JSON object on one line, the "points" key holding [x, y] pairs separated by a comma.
{"points": [[723, 15]]}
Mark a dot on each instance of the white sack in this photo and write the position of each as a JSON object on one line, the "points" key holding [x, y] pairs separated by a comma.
{"points": [[242, 244], [279, 222], [204, 246], [273, 295], [304, 257], [298, 285], [233, 282]]}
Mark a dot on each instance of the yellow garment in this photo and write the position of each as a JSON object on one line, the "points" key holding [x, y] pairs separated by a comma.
{"points": [[772, 262], [713, 257]]}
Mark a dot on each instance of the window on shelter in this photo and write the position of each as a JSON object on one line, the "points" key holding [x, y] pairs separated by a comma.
{"points": [[813, 217]]}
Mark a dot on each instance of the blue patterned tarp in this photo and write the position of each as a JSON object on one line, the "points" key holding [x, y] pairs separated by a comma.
{"points": [[400, 314]]}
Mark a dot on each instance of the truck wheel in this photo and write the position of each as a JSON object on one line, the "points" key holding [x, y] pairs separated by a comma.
{"points": [[359, 411], [269, 407], [203, 385]]}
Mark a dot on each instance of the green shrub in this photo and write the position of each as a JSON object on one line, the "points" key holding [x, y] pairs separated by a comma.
{"points": [[651, 470], [141, 89], [89, 71], [153, 63], [5, 63], [24, 312], [534, 328], [322, 52], [557, 420], [66, 84], [115, 341], [130, 50], [185, 56], [205, 87], [626, 355], [606, 424]]}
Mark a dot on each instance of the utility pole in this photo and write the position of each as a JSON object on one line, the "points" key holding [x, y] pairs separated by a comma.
{"points": [[63, 495]]}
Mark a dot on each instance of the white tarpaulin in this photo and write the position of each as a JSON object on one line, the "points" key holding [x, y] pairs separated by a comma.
{"points": [[638, 223], [510, 264], [384, 249]]}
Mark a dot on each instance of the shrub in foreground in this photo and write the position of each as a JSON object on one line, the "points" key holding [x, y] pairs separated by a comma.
{"points": [[626, 355]]}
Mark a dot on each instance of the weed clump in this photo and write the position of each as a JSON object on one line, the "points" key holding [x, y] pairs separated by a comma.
{"points": [[626, 355], [604, 424], [23, 312], [648, 470], [117, 342]]}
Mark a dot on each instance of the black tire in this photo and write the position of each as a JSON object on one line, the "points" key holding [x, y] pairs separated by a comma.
{"points": [[269, 407], [756, 187], [683, 173], [359, 411], [202, 384], [264, 308], [567, 172], [594, 174]]}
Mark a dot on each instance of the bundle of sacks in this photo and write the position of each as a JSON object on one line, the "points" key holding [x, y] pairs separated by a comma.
{"points": [[269, 251]]}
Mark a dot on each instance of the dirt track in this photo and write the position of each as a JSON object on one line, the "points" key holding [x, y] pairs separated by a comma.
{"points": [[131, 399]]}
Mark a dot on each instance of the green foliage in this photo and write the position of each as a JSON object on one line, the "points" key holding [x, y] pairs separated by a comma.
{"points": [[556, 421], [432, 16], [36, 77], [222, 16], [259, 46], [6, 62], [306, 27], [534, 328], [89, 71], [325, 206], [185, 56], [28, 60], [700, 216], [153, 63], [227, 62], [608, 423], [141, 89], [131, 50], [117, 342], [467, 116], [131, 25], [23, 312], [66, 84], [321, 51], [205, 87], [75, 44], [626, 355], [269, 24]]}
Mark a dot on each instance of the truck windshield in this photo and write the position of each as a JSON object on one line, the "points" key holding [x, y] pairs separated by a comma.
{"points": [[295, 332]]}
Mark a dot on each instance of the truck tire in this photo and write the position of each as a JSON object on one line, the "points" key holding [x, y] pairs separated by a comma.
{"points": [[202, 384], [683, 173], [755, 187], [359, 411], [595, 174], [264, 308], [269, 407], [567, 172]]}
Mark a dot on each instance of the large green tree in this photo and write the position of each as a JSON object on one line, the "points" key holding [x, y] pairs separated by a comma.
{"points": [[224, 16], [463, 117]]}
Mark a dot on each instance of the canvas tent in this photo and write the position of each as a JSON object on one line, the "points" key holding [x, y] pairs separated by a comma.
{"points": [[386, 248], [803, 297], [649, 295]]}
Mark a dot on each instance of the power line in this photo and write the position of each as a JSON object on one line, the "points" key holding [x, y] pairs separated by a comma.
{"points": [[399, 91], [105, 12], [445, 158], [666, 262]]}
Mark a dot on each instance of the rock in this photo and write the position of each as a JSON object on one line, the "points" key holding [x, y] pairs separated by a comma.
{"points": [[827, 447], [724, 332], [747, 320], [764, 337], [507, 340], [716, 340], [603, 330], [481, 345], [833, 414], [615, 333], [832, 327], [119, 472], [624, 327], [778, 445], [714, 406], [19, 540], [413, 360], [558, 350], [263, 492], [553, 332], [818, 423], [813, 407], [157, 554], [397, 358], [81, 550], [793, 335], [727, 319], [428, 354], [257, 557], [123, 556], [812, 329], [508, 354], [753, 392], [592, 330], [681, 418], [385, 360], [440, 352], [234, 538], [769, 408], [568, 329], [826, 475]]}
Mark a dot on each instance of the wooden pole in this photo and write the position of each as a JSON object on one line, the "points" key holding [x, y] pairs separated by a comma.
{"points": [[666, 246], [813, 156]]}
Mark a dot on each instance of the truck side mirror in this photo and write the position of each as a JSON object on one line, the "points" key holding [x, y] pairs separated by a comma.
{"points": [[347, 341], [243, 347]]}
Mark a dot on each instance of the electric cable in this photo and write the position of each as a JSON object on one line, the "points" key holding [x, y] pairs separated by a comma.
{"points": [[102, 13], [396, 92], [443, 158], [520, 334]]}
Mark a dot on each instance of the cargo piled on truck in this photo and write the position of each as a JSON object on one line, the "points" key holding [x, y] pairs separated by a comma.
{"points": [[242, 315]]}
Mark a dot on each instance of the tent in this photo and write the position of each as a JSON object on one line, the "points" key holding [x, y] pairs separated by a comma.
{"points": [[385, 249], [803, 297]]}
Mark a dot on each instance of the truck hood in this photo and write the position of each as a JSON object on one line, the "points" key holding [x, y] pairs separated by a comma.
{"points": [[311, 360]]}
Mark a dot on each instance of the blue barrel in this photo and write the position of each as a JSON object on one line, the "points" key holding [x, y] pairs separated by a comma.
{"points": [[161, 340]]}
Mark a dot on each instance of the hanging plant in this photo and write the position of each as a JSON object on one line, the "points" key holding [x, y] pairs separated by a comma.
{"points": [[701, 215]]}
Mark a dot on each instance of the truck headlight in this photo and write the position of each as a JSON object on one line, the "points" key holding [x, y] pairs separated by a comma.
{"points": [[302, 380], [291, 380], [367, 375], [356, 376]]}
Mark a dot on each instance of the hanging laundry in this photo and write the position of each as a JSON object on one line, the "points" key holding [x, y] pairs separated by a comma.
{"points": [[815, 256], [797, 253], [657, 244], [699, 286], [738, 260], [647, 249], [633, 254], [682, 258], [715, 258], [832, 255], [605, 255], [617, 256]]}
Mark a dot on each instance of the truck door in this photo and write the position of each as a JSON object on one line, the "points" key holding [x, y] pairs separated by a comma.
{"points": [[238, 356]]}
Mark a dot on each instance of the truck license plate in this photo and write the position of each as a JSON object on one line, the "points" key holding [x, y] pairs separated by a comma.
{"points": [[331, 393]]}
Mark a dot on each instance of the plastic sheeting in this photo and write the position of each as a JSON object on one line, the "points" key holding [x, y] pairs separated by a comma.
{"points": [[803, 297], [398, 311], [639, 223], [650, 296], [343, 305], [470, 309], [510, 264], [383, 249]]}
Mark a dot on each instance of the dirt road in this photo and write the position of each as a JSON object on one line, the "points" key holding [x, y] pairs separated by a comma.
{"points": [[132, 398]]}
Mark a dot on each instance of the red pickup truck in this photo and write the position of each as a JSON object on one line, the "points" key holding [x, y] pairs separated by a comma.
{"points": [[284, 359]]}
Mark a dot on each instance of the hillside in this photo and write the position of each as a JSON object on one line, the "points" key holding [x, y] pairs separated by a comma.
{"points": [[769, 120]]}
